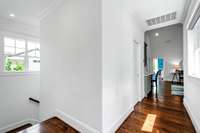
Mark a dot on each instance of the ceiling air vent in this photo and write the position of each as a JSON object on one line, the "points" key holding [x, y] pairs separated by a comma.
{"points": [[161, 19]]}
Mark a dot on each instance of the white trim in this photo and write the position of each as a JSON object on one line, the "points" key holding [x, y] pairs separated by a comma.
{"points": [[47, 116], [26, 57], [194, 76], [51, 8], [192, 116], [16, 27], [186, 8], [15, 35], [70, 120], [141, 88], [194, 7], [197, 80], [18, 124], [78, 125], [5, 74], [119, 121]]}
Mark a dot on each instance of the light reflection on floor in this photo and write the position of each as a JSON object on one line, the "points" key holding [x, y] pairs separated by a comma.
{"points": [[149, 123]]}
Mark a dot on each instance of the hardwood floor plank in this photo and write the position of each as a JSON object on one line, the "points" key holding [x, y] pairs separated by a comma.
{"points": [[20, 128], [53, 125], [171, 115]]}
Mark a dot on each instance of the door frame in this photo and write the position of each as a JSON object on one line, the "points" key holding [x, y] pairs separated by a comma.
{"points": [[140, 88]]}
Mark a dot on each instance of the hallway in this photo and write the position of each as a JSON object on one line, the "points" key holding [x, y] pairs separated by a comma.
{"points": [[171, 116], [74, 66]]}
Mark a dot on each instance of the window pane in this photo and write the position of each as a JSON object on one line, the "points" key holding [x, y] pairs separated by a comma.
{"points": [[15, 51], [20, 51], [9, 42], [14, 64], [31, 45], [38, 46], [31, 49], [32, 54], [34, 64], [20, 44], [37, 53], [9, 50]]}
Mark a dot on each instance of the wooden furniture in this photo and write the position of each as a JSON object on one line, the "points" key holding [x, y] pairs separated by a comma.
{"points": [[181, 76], [178, 76]]}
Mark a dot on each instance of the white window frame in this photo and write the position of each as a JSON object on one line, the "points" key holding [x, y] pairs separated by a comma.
{"points": [[2, 56], [193, 71]]}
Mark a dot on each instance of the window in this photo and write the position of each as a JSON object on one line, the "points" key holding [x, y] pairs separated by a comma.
{"points": [[194, 50], [21, 55], [33, 56]]}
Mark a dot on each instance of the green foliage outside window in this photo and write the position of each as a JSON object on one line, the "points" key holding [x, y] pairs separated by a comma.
{"points": [[8, 65], [14, 65]]}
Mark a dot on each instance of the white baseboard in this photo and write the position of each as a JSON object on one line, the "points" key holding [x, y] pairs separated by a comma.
{"points": [[192, 116], [78, 125], [84, 128], [119, 121], [18, 124]]}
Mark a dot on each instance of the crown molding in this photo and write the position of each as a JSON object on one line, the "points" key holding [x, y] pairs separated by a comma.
{"points": [[185, 10], [14, 26], [51, 8], [4, 20]]}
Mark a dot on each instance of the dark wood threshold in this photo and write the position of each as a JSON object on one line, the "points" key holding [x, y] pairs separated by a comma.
{"points": [[20, 128], [52, 125]]}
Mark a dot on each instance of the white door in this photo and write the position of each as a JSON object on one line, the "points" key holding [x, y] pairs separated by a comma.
{"points": [[136, 61]]}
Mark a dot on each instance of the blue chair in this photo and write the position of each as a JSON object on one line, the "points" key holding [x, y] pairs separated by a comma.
{"points": [[155, 80]]}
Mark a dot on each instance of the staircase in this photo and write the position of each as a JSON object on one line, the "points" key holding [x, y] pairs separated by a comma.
{"points": [[20, 128], [53, 125]]}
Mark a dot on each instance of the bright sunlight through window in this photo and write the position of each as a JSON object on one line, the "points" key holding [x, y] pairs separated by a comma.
{"points": [[149, 123], [21, 55]]}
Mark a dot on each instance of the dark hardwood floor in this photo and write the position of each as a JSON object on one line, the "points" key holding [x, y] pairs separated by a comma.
{"points": [[171, 116], [53, 125], [20, 128]]}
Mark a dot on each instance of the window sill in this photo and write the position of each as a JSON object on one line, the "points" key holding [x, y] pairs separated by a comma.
{"points": [[19, 74], [194, 76]]}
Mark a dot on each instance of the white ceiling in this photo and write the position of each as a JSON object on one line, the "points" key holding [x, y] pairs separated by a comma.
{"points": [[26, 11], [147, 9]]}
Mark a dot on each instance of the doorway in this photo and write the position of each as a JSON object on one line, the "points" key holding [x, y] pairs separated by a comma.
{"points": [[137, 70]]}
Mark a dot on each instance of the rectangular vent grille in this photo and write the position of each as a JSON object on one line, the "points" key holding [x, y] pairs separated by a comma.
{"points": [[161, 19]]}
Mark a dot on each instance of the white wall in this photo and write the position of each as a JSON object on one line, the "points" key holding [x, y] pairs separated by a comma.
{"points": [[168, 45], [71, 64], [71, 39], [120, 93], [148, 69], [15, 106], [191, 90], [15, 27], [16, 88]]}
